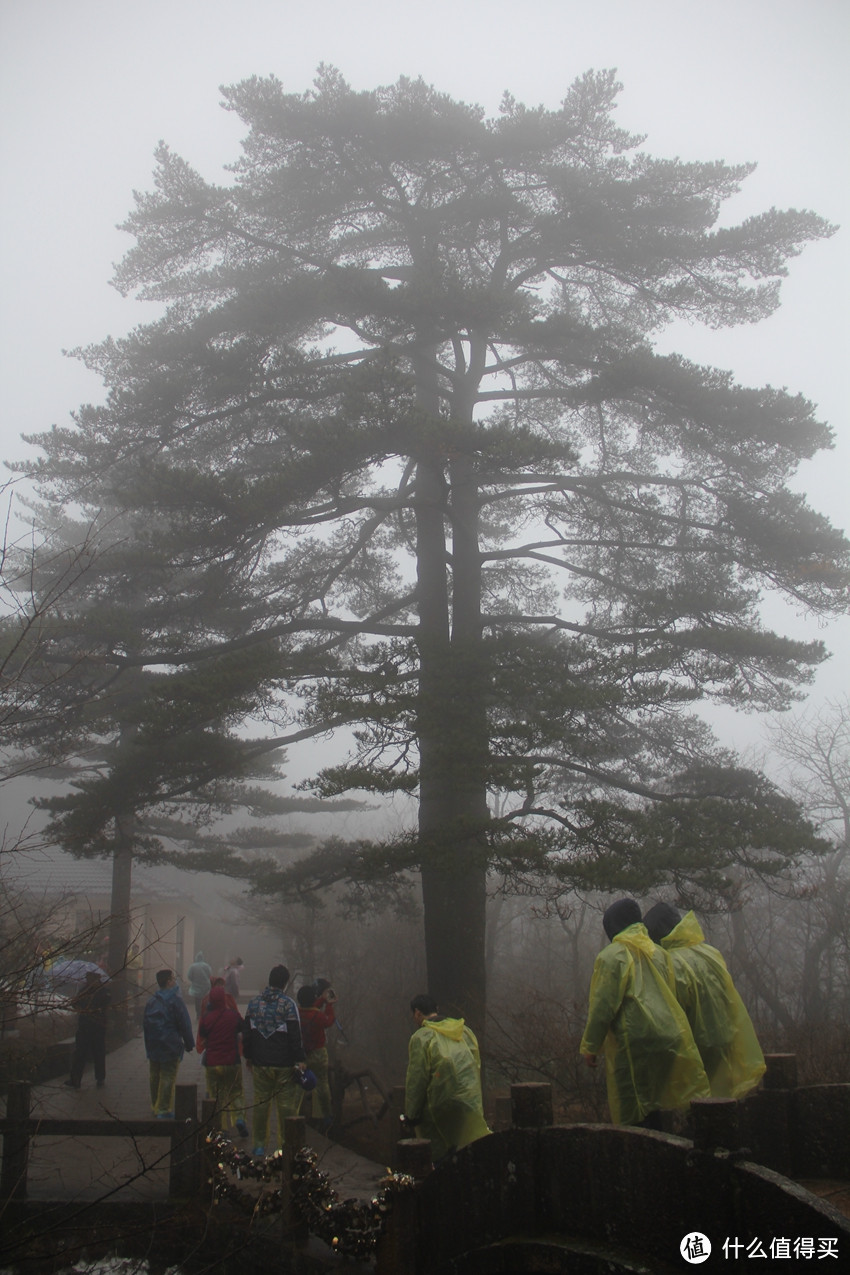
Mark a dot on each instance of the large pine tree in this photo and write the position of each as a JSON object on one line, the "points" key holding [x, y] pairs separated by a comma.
{"points": [[402, 416]]}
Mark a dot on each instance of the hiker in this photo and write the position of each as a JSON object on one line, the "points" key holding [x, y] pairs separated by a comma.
{"points": [[317, 1015], [90, 1004], [442, 1091], [199, 975], [651, 1061], [220, 1030], [722, 1028], [168, 1032], [216, 981], [232, 975], [271, 1045]]}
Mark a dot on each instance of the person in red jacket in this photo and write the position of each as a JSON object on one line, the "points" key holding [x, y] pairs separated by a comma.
{"points": [[219, 1032], [317, 1015], [217, 981]]}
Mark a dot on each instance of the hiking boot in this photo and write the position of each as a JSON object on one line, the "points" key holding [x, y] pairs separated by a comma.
{"points": [[259, 1151], [72, 1084]]}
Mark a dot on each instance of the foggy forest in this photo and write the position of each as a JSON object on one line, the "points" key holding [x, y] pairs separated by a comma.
{"points": [[381, 604]]}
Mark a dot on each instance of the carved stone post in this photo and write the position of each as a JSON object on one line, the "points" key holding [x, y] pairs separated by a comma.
{"points": [[772, 1113], [715, 1124], [531, 1106]]}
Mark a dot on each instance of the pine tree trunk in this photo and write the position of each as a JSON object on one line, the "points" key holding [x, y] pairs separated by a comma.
{"points": [[453, 741]]}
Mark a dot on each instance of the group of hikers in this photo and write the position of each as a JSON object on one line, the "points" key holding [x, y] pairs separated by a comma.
{"points": [[283, 1044], [663, 1011]]}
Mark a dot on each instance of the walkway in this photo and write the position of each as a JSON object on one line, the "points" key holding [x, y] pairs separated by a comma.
{"points": [[128, 1170]]}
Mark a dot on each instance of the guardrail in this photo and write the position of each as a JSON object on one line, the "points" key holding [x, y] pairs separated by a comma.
{"points": [[184, 1134]]}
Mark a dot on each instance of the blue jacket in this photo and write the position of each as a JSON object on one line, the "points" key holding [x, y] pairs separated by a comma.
{"points": [[167, 1026]]}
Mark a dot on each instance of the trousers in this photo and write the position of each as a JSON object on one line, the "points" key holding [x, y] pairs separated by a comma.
{"points": [[274, 1087], [163, 1078]]}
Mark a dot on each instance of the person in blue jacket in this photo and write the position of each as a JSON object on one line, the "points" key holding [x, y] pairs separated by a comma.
{"points": [[168, 1032]]}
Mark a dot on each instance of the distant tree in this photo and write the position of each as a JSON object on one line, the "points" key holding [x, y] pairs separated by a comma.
{"points": [[150, 760], [814, 749], [402, 423], [39, 570]]}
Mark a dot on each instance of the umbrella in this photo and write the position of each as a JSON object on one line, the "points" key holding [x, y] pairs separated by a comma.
{"points": [[71, 971]]}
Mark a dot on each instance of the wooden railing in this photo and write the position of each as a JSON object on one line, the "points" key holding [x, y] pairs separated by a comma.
{"points": [[183, 1132], [538, 1173]]}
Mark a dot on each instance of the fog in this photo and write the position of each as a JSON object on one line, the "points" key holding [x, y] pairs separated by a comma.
{"points": [[87, 89]]}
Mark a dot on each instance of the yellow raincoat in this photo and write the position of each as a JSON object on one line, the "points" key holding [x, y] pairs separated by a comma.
{"points": [[442, 1092], [722, 1028], [651, 1061]]}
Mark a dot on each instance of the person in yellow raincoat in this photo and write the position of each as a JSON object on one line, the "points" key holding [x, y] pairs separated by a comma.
{"points": [[722, 1028], [651, 1061], [442, 1091]]}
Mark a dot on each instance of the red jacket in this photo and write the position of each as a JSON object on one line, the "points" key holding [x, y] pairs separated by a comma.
{"points": [[205, 1005], [313, 1024], [219, 1031]]}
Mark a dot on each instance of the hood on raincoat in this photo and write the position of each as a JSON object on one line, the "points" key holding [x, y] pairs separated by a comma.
{"points": [[217, 998], [450, 1027], [635, 937], [687, 933]]}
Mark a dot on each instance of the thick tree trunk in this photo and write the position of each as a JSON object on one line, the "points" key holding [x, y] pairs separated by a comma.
{"points": [[451, 713]]}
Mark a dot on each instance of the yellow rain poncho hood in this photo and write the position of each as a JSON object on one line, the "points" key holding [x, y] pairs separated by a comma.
{"points": [[722, 1028], [443, 1085], [651, 1061]]}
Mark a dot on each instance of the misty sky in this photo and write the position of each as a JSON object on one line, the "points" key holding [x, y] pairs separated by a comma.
{"points": [[88, 87]]}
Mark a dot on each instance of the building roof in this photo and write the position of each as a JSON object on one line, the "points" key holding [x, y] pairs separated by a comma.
{"points": [[50, 873]]}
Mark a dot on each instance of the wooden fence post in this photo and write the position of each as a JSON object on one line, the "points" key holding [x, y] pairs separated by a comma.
{"points": [[185, 1166], [394, 1128], [210, 1125], [397, 1248], [294, 1138], [16, 1143]]}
